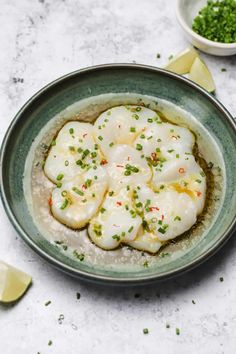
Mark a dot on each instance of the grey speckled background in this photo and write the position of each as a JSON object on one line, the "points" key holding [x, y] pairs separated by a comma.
{"points": [[39, 41]]}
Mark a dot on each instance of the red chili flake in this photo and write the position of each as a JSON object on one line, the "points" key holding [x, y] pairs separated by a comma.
{"points": [[181, 170], [162, 217], [198, 193], [84, 186], [84, 135], [119, 126], [119, 166], [103, 162], [154, 155], [50, 201], [119, 203], [154, 208], [128, 158]]}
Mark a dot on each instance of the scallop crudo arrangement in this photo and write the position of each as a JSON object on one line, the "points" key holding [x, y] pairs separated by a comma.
{"points": [[130, 179]]}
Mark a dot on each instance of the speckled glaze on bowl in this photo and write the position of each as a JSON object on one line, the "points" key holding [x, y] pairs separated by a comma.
{"points": [[114, 78]]}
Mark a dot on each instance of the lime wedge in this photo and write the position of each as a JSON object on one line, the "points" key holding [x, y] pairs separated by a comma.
{"points": [[200, 74], [182, 62], [13, 283]]}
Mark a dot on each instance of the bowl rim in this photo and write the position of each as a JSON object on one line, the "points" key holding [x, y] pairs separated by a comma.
{"points": [[97, 278], [197, 36]]}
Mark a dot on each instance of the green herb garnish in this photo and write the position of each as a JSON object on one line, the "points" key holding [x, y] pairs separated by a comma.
{"points": [[217, 21]]}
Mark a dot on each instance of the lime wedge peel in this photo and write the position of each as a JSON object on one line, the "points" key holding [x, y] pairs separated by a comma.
{"points": [[189, 62], [200, 74], [182, 62], [13, 283]]}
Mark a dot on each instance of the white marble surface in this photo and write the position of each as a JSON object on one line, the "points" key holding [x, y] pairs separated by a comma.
{"points": [[40, 41]]}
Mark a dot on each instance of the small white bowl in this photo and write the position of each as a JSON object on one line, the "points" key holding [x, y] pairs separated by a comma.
{"points": [[186, 11]]}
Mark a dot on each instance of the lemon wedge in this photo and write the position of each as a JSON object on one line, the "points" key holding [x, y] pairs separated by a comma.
{"points": [[200, 74], [13, 283], [182, 62]]}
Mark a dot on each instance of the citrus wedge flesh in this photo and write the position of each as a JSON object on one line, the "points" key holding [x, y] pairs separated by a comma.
{"points": [[182, 62], [200, 74], [13, 283]]}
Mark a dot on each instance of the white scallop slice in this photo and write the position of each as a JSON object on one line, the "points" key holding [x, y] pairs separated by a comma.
{"points": [[146, 241], [75, 150], [121, 125], [116, 223], [168, 213], [79, 198], [178, 167], [123, 158], [164, 136], [195, 186]]}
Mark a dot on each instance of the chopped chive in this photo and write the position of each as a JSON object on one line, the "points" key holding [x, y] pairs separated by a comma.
{"points": [[60, 176], [102, 210], [145, 264], [130, 229], [139, 147], [132, 129], [127, 173], [150, 120], [79, 256], [53, 143], [100, 137], [64, 205], [71, 131], [135, 116], [177, 331], [145, 331], [162, 230], [71, 148], [59, 184], [64, 193], [138, 109], [111, 193], [93, 154], [88, 182], [111, 144], [78, 191], [177, 218], [97, 229], [47, 303], [116, 237]]}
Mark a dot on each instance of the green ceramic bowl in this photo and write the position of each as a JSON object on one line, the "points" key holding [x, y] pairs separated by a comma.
{"points": [[120, 78]]}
